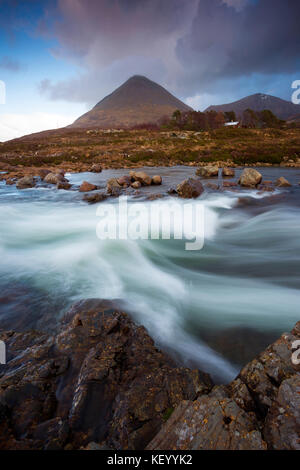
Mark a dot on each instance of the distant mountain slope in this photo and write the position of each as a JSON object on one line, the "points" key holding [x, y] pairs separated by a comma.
{"points": [[137, 101], [258, 102]]}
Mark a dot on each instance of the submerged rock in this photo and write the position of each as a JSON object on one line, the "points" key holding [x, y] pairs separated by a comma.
{"points": [[94, 197], [250, 178], [190, 188]]}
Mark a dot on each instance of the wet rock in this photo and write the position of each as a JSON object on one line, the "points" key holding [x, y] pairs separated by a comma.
{"points": [[96, 168], [85, 384], [154, 197], [113, 188], [94, 197], [208, 171], [25, 182], [141, 176], [190, 188], [283, 182], [124, 181], [85, 187], [136, 185], [156, 179], [173, 191], [54, 178], [209, 423], [250, 178], [228, 172], [63, 185]]}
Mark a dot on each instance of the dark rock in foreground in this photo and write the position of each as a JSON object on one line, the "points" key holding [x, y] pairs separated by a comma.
{"points": [[101, 379], [102, 382]]}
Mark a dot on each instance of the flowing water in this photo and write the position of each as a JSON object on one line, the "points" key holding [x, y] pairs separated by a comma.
{"points": [[215, 308]]}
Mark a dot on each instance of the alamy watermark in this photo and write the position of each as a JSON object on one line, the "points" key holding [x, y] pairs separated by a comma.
{"points": [[2, 353], [296, 94], [2, 92], [158, 220]]}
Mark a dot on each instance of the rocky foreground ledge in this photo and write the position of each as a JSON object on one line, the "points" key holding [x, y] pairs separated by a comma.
{"points": [[101, 383]]}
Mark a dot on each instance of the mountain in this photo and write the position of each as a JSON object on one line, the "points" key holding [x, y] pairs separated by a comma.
{"points": [[137, 101], [258, 102]]}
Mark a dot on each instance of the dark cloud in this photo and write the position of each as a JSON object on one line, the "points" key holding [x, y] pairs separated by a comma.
{"points": [[223, 42], [189, 46]]}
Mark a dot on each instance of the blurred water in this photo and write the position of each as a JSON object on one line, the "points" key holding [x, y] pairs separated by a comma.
{"points": [[213, 308]]}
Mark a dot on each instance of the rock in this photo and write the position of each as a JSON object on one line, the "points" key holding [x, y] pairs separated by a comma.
{"points": [[250, 178], [113, 188], [25, 182], [42, 173], [282, 182], [209, 423], [96, 168], [264, 189], [156, 179], [228, 172], [54, 178], [229, 184], [94, 197], [86, 187], [212, 186], [282, 426], [190, 188], [208, 171], [173, 191], [142, 177], [63, 185], [136, 185], [154, 197], [124, 181], [85, 383]]}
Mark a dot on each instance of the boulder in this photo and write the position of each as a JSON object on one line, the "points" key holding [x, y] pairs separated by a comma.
{"points": [[94, 197], [208, 171], [86, 187], [96, 168], [25, 182], [190, 188], [228, 172], [136, 185], [250, 178], [141, 176], [113, 188], [124, 181], [283, 182], [156, 179], [54, 178]]}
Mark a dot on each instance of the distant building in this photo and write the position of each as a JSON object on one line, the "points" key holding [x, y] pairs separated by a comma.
{"points": [[232, 124]]}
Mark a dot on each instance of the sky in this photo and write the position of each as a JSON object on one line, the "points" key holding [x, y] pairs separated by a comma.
{"points": [[58, 58]]}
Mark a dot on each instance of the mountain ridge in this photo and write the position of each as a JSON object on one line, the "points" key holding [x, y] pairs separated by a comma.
{"points": [[258, 102]]}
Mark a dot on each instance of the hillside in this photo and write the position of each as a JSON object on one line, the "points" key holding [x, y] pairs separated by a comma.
{"points": [[258, 102], [138, 101]]}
